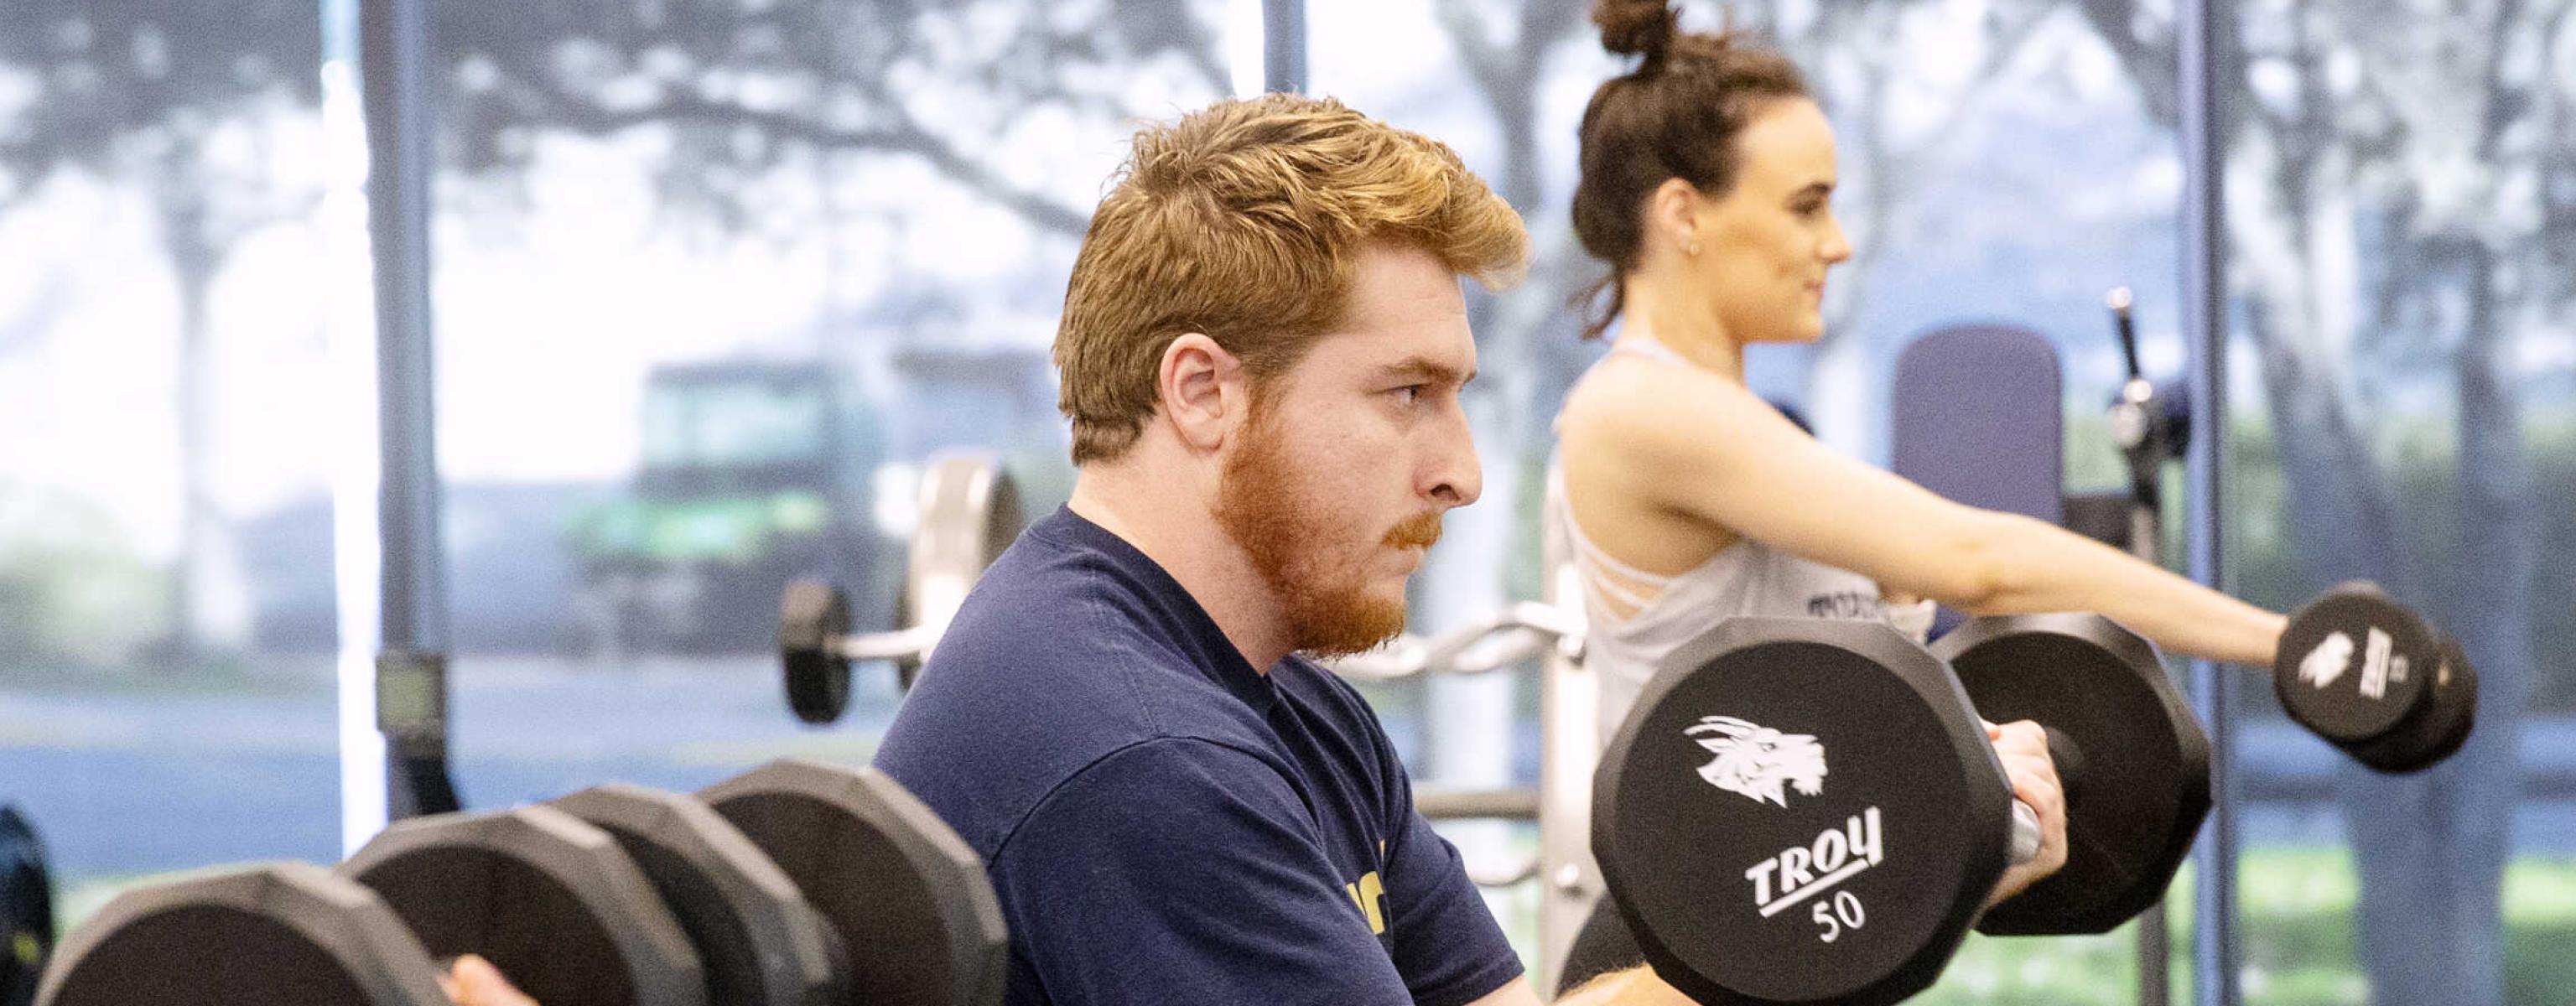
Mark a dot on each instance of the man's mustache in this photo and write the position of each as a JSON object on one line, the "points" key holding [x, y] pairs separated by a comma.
{"points": [[1422, 531]]}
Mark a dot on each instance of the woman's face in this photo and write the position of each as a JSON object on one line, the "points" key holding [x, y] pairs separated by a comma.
{"points": [[1766, 244]]}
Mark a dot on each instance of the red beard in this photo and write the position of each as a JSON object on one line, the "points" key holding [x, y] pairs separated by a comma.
{"points": [[1295, 545]]}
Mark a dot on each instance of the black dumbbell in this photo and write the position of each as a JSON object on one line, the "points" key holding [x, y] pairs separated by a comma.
{"points": [[1807, 811], [969, 512], [761, 943], [664, 900], [2376, 679], [615, 894], [907, 896], [553, 902], [258, 936], [2133, 758]]}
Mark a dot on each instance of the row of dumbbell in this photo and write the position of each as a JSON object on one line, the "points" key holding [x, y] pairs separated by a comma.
{"points": [[795, 884]]}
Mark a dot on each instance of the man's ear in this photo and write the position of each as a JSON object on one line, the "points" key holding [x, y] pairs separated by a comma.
{"points": [[1205, 392]]}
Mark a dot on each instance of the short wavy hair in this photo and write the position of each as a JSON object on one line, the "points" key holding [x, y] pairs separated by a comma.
{"points": [[1244, 221]]}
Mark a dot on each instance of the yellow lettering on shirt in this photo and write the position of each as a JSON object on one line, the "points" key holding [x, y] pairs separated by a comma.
{"points": [[1370, 895]]}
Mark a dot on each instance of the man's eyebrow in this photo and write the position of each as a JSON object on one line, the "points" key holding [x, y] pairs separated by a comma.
{"points": [[1815, 189], [1426, 369]]}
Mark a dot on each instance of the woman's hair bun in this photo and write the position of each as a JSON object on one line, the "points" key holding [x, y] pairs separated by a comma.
{"points": [[1636, 27]]}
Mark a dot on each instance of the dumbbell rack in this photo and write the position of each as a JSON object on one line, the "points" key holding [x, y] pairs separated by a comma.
{"points": [[792, 884]]}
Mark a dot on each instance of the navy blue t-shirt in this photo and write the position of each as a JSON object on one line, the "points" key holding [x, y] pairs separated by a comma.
{"points": [[1162, 822]]}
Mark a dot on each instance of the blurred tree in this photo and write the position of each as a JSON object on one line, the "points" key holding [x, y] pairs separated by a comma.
{"points": [[73, 591], [186, 99], [2397, 212], [743, 86], [1868, 65]]}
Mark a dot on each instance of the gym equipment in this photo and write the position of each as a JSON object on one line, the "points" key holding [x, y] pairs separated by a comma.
{"points": [[26, 908], [1976, 419], [813, 613], [1807, 811], [259, 936], [1502, 639], [969, 512], [2375, 679], [1495, 641], [2151, 425], [909, 899], [551, 901], [761, 943], [1729, 860], [614, 895], [2410, 701], [2083, 676], [2150, 421]]}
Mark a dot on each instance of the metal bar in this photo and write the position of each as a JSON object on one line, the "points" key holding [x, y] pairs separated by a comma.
{"points": [[2201, 42], [899, 644], [1569, 702], [1283, 45], [1519, 874], [393, 50], [2155, 937], [1495, 641], [1519, 803]]}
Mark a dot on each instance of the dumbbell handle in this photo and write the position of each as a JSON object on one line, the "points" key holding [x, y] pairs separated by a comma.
{"points": [[898, 644], [2069, 760], [1496, 640], [2025, 833]]}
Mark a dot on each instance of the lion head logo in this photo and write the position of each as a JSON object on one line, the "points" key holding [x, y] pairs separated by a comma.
{"points": [[1758, 761], [2327, 662]]}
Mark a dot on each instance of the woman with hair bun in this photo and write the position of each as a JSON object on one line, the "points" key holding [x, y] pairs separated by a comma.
{"points": [[1707, 182]]}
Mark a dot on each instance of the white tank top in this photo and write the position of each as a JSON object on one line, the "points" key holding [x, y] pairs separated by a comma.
{"points": [[1745, 578]]}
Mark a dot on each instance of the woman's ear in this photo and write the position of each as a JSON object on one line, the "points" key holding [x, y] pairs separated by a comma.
{"points": [[1672, 216], [1204, 391]]}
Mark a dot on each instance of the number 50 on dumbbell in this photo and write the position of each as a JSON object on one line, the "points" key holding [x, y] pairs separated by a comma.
{"points": [[1809, 811]]}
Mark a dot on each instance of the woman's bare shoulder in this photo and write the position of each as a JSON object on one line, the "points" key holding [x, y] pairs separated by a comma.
{"points": [[1629, 401]]}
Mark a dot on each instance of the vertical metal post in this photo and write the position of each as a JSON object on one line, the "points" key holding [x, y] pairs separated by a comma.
{"points": [[2201, 28], [411, 669], [2155, 938], [1283, 45], [1569, 702], [2147, 440]]}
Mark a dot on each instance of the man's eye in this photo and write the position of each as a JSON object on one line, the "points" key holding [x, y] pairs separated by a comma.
{"points": [[1410, 393]]}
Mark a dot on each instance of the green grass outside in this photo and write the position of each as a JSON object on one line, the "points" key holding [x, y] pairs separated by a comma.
{"points": [[2296, 927]]}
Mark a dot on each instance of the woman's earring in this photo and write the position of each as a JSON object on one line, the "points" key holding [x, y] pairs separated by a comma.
{"points": [[1691, 249]]}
